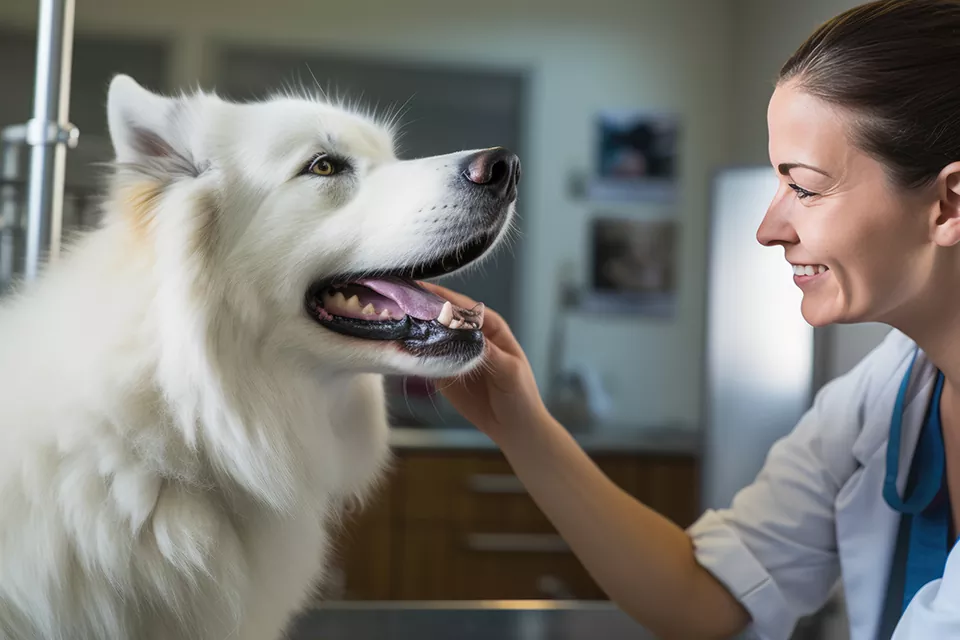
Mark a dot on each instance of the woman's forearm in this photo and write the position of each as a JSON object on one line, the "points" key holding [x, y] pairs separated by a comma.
{"points": [[643, 561]]}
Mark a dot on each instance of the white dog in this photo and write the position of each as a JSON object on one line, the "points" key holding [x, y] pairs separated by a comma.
{"points": [[191, 394]]}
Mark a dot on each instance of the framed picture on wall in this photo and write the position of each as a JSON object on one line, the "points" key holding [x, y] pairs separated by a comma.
{"points": [[636, 156], [633, 266]]}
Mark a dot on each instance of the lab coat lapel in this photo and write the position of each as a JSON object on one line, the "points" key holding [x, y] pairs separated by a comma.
{"points": [[866, 525]]}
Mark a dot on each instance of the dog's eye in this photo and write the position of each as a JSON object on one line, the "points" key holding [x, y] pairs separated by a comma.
{"points": [[322, 166]]}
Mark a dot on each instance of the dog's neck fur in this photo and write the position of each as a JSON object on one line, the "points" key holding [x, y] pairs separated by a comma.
{"points": [[229, 406]]}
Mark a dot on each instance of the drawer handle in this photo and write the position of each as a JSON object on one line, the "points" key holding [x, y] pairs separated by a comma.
{"points": [[495, 483], [517, 543]]}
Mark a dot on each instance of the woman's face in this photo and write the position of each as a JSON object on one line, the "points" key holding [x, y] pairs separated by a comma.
{"points": [[861, 247]]}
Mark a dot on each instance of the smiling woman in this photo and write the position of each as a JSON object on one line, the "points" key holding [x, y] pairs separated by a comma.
{"points": [[841, 216], [863, 177], [864, 128]]}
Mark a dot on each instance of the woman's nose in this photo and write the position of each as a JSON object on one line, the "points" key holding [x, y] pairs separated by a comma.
{"points": [[775, 229]]}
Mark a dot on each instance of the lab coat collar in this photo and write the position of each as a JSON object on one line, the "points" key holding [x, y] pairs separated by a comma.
{"points": [[861, 512], [878, 411]]}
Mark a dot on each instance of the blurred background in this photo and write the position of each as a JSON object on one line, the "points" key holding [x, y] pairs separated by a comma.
{"points": [[661, 334]]}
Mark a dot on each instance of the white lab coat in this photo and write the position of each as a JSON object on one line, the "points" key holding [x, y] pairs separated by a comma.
{"points": [[816, 511]]}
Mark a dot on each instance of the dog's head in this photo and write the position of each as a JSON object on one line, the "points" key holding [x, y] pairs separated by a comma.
{"points": [[296, 214]]}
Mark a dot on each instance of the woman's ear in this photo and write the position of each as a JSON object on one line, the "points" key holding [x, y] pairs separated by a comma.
{"points": [[946, 229]]}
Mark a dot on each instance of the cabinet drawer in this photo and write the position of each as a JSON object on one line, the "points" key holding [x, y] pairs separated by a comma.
{"points": [[454, 525], [440, 563], [481, 490]]}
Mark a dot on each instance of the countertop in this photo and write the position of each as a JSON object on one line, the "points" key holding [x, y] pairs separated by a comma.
{"points": [[468, 620], [662, 440]]}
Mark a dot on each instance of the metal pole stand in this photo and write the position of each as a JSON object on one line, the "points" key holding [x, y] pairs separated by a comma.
{"points": [[12, 139], [49, 133]]}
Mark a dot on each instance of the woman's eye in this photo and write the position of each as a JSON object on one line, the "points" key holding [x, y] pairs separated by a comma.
{"points": [[322, 166], [801, 192]]}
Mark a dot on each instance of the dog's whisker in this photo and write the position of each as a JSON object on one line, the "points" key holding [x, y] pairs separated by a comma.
{"points": [[406, 396], [433, 402], [323, 94]]}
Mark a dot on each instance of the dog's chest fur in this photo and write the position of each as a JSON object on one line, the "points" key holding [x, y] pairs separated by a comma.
{"points": [[135, 509]]}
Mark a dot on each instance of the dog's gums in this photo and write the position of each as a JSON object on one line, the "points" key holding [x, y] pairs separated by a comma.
{"points": [[395, 308], [398, 310], [383, 299]]}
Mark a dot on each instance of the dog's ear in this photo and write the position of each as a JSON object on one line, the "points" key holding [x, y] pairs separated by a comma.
{"points": [[149, 132]]}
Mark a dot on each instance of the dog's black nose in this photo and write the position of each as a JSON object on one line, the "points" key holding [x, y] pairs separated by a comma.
{"points": [[496, 170]]}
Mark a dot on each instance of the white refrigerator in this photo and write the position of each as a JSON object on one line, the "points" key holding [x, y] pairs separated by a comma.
{"points": [[763, 361]]}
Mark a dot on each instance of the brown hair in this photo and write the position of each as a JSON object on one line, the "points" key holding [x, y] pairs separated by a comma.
{"points": [[894, 65]]}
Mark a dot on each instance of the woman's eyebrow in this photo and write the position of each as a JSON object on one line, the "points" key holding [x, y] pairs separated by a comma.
{"points": [[786, 167]]}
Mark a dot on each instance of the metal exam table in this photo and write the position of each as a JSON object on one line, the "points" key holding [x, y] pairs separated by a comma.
{"points": [[468, 620]]}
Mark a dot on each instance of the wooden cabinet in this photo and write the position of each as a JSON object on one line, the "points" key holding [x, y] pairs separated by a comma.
{"points": [[457, 525]]}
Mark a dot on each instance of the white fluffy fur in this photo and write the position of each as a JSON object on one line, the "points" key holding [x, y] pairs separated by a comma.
{"points": [[176, 435]]}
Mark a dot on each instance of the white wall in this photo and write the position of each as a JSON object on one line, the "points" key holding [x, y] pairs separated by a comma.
{"points": [[766, 32], [659, 54]]}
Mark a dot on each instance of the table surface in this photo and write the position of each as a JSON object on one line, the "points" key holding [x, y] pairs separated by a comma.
{"points": [[487, 620], [664, 440]]}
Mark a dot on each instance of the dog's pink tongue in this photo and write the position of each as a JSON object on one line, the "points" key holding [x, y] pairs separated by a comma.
{"points": [[414, 301]]}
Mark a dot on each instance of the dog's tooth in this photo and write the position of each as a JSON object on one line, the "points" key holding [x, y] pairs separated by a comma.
{"points": [[336, 301], [446, 314], [385, 315], [456, 323], [369, 310], [353, 303]]}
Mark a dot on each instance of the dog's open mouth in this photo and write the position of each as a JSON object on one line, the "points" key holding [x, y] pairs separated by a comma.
{"points": [[394, 307], [388, 308]]}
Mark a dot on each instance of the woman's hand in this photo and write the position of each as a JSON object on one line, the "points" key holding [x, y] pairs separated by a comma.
{"points": [[501, 394]]}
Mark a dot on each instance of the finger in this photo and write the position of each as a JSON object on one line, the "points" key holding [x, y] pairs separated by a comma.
{"points": [[491, 365]]}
